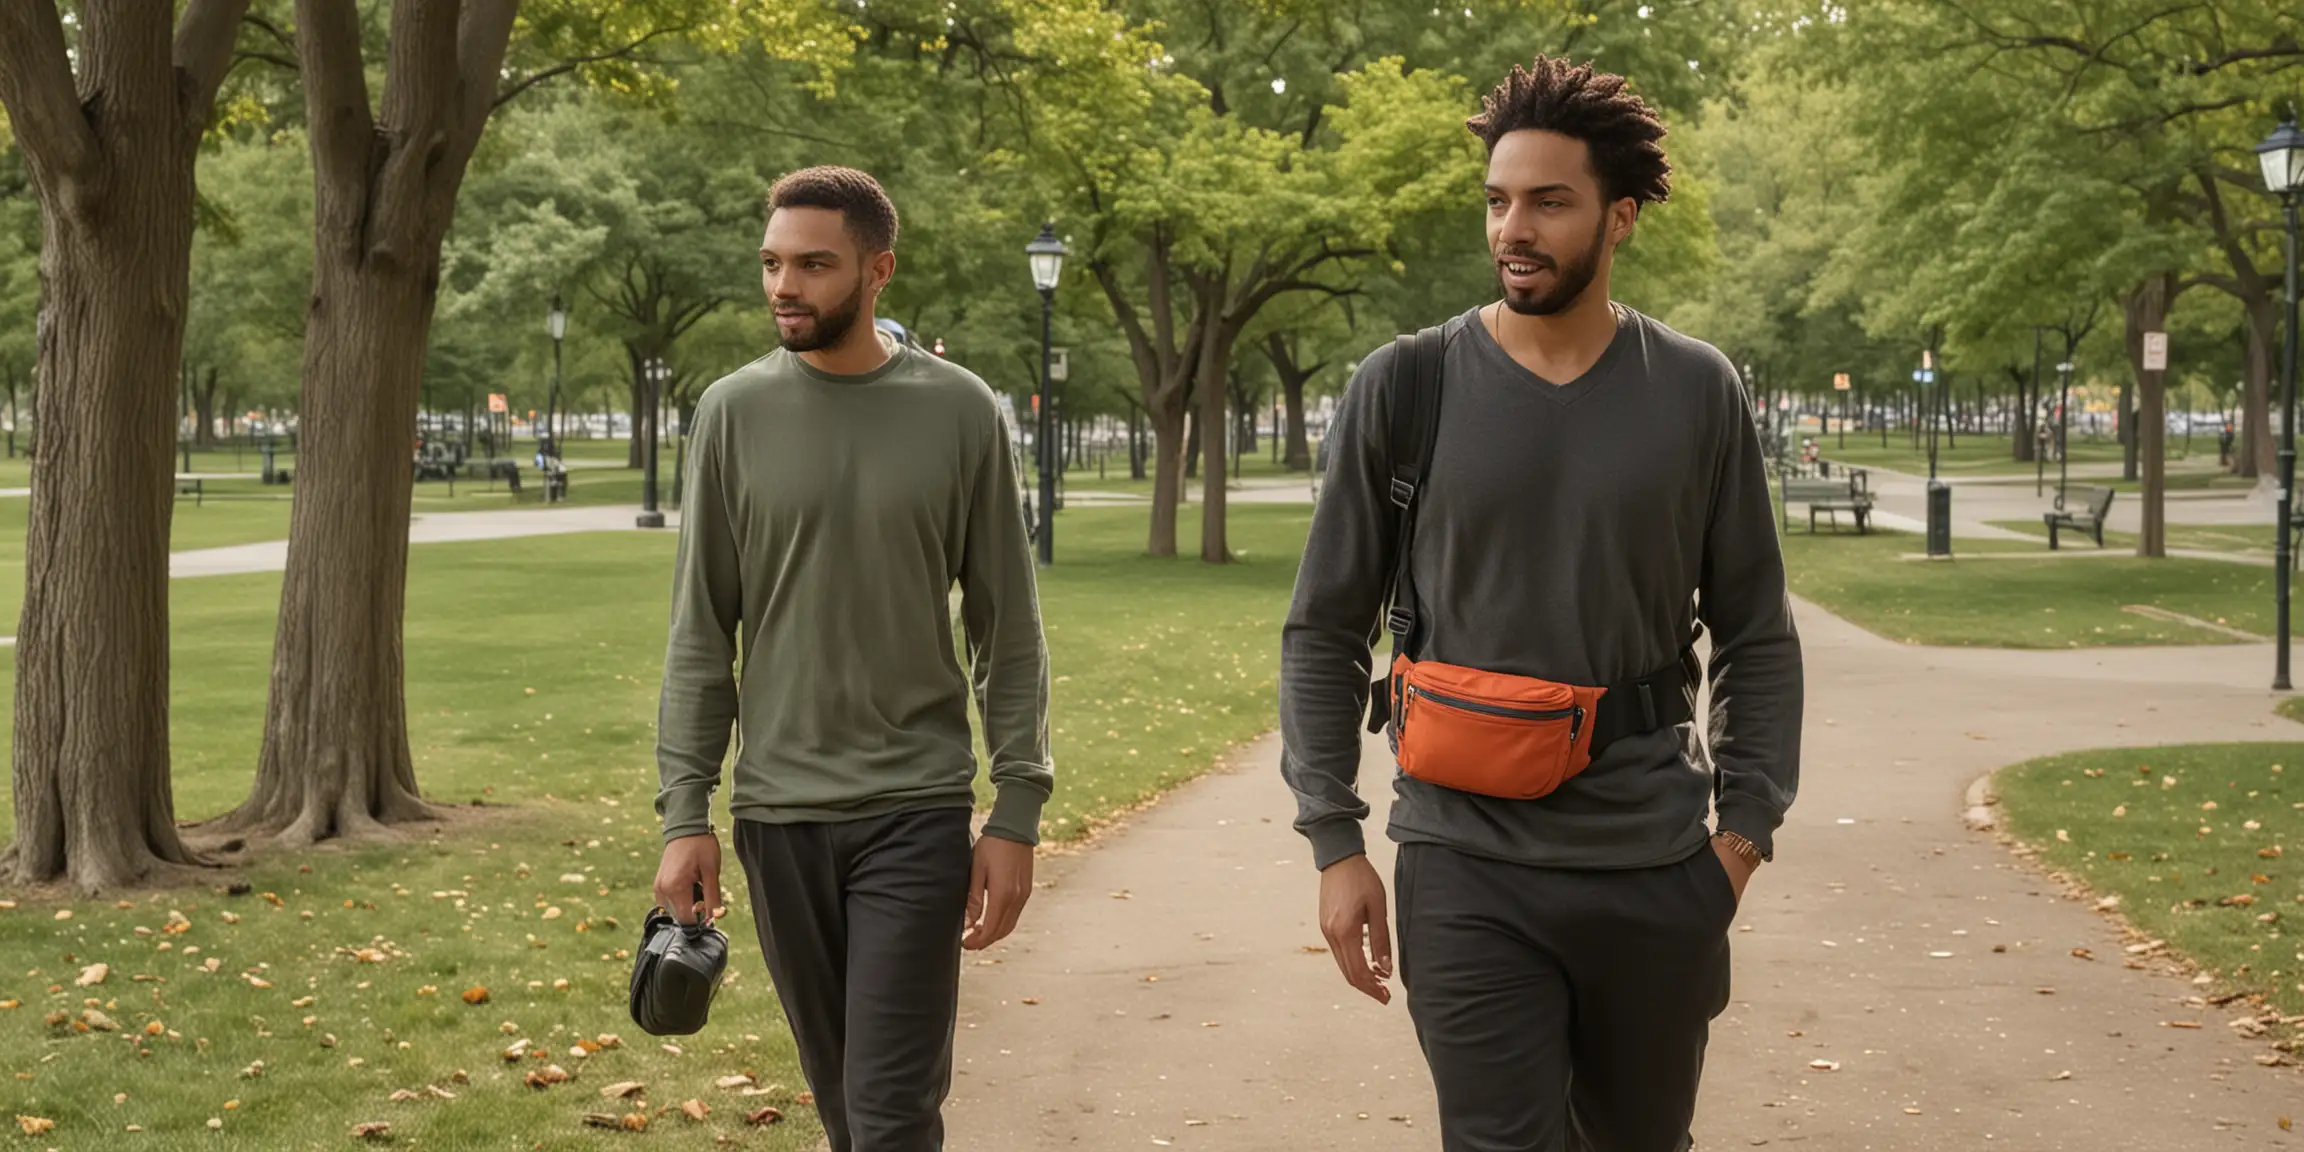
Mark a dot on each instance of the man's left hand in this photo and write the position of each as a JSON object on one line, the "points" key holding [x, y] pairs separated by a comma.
{"points": [[997, 888], [1739, 873]]}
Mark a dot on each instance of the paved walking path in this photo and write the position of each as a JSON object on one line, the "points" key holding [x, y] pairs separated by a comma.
{"points": [[424, 528], [1178, 1004]]}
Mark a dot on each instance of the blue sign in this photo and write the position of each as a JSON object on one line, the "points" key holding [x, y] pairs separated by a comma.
{"points": [[1924, 376]]}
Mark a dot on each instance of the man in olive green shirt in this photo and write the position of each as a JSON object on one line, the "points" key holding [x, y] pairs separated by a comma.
{"points": [[838, 489]]}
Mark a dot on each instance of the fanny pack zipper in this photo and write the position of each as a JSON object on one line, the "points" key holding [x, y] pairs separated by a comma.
{"points": [[1574, 716]]}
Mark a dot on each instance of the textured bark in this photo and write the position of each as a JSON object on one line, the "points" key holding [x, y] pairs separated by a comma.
{"points": [[2254, 455], [112, 151], [2146, 310], [204, 409], [335, 760], [1215, 404]]}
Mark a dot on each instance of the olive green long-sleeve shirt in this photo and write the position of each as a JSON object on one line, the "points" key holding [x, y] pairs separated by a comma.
{"points": [[826, 521]]}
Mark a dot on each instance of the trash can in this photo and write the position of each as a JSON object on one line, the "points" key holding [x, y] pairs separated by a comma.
{"points": [[1939, 518]]}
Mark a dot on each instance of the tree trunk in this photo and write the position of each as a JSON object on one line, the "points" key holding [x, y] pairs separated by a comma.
{"points": [[112, 151], [1135, 444], [2255, 455], [1192, 441], [1299, 443], [335, 760], [1215, 401], [2146, 310], [2021, 426], [204, 406], [1167, 482]]}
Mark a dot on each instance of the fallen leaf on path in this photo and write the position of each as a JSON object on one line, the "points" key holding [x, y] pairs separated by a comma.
{"points": [[2179, 1024], [1825, 1065], [2061, 1076], [1315, 950], [2083, 954], [1030, 1001], [1911, 1111]]}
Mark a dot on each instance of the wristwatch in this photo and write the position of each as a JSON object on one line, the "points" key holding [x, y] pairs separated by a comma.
{"points": [[1743, 848]]}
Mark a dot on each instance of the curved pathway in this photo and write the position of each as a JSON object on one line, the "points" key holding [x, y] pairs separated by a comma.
{"points": [[1178, 1006]]}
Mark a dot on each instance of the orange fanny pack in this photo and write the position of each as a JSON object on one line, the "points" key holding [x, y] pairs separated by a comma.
{"points": [[1514, 737]]}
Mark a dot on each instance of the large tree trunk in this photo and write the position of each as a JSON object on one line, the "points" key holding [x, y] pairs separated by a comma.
{"points": [[2021, 426], [2146, 310], [335, 760], [112, 152]]}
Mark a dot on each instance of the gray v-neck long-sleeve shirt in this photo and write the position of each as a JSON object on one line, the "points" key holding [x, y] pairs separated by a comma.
{"points": [[1570, 532]]}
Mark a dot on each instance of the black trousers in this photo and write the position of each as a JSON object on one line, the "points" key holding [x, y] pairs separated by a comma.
{"points": [[861, 923], [1563, 1010]]}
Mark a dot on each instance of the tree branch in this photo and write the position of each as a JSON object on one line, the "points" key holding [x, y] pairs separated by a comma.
{"points": [[239, 58], [2282, 50], [482, 37], [565, 67], [203, 54], [36, 88]]}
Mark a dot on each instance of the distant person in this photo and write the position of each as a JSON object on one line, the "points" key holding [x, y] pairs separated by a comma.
{"points": [[838, 489], [1595, 490]]}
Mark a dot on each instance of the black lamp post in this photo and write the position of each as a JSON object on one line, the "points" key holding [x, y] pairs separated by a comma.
{"points": [[1939, 493], [556, 323], [653, 372], [2282, 157], [1046, 254]]}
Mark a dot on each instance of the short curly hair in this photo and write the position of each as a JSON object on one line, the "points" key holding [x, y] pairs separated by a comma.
{"points": [[855, 195], [1619, 127]]}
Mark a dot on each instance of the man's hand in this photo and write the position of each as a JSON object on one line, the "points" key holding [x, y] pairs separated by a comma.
{"points": [[998, 886], [1352, 917], [688, 862], [1739, 872]]}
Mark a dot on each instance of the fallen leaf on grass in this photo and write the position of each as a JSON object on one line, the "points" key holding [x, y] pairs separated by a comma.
{"points": [[770, 1116], [695, 1109], [547, 1076], [737, 1081], [475, 995], [2243, 900], [35, 1125], [623, 1089], [99, 1021], [93, 974], [805, 1099], [404, 1095], [376, 1131]]}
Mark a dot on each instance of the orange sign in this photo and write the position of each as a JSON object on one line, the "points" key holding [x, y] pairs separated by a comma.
{"points": [[1840, 381], [497, 403]]}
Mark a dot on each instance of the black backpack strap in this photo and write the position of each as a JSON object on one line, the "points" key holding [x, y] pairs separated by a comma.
{"points": [[1415, 383]]}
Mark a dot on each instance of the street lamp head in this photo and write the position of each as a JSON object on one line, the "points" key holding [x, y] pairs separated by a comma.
{"points": [[556, 321], [1046, 253], [2282, 156]]}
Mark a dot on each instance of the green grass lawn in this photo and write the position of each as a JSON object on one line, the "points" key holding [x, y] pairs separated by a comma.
{"points": [[2032, 603], [2204, 846], [1974, 455], [533, 675], [2234, 539]]}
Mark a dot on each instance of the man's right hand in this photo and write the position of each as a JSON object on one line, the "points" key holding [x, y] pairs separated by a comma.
{"points": [[1352, 917], [689, 861]]}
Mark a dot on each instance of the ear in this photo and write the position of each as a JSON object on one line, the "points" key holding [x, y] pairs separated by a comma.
{"points": [[882, 269], [1623, 216]]}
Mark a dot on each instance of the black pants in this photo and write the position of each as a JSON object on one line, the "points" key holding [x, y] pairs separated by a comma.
{"points": [[861, 923], [1560, 1010]]}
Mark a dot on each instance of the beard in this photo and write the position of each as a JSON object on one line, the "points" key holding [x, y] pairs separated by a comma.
{"points": [[830, 328], [1569, 280]]}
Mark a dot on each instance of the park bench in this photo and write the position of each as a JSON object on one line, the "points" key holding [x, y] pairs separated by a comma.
{"points": [[191, 486], [1829, 496], [2096, 504]]}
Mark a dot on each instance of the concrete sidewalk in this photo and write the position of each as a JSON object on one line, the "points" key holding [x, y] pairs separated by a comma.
{"points": [[426, 528], [1179, 1003]]}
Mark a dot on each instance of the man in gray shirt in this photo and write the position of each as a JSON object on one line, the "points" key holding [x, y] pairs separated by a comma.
{"points": [[1594, 492]]}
